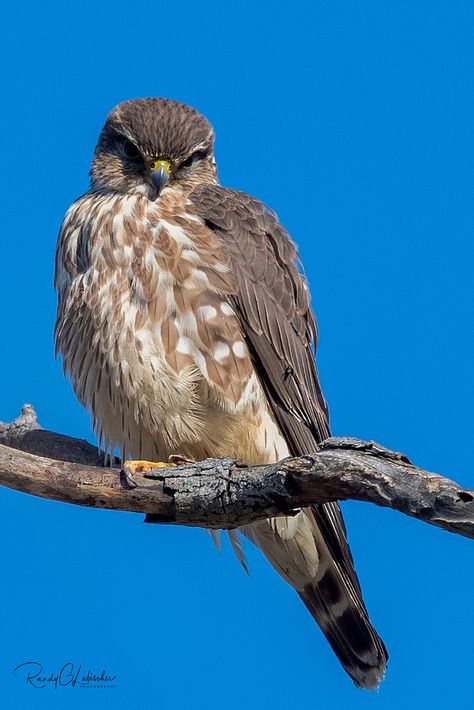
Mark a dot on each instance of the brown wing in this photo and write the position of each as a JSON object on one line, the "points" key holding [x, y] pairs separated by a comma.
{"points": [[273, 304]]}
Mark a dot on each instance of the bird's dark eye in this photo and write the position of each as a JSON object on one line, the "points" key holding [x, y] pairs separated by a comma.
{"points": [[130, 150], [193, 158]]}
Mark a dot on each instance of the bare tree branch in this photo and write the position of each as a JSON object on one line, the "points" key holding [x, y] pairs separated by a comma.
{"points": [[221, 493]]}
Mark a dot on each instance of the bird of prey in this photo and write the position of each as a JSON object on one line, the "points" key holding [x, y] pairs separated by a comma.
{"points": [[184, 323]]}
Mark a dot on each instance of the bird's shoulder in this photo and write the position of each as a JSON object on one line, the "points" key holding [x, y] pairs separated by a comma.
{"points": [[264, 258], [224, 203]]}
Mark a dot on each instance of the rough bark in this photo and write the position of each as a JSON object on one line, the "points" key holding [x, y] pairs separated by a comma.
{"points": [[224, 493]]}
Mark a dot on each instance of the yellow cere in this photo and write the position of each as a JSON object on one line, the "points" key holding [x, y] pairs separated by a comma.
{"points": [[156, 164]]}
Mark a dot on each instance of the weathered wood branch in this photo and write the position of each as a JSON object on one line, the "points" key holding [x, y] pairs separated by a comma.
{"points": [[223, 493]]}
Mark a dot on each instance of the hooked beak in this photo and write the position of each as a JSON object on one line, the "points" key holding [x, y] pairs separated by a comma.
{"points": [[160, 173]]}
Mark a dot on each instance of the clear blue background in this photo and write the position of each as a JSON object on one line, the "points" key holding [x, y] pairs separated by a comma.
{"points": [[352, 120]]}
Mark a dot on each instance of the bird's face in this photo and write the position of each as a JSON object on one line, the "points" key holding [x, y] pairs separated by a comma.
{"points": [[149, 144]]}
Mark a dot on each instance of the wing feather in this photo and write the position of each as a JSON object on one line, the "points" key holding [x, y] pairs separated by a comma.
{"points": [[272, 301], [273, 304]]}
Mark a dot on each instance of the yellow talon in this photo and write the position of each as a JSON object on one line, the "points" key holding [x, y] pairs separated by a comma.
{"points": [[134, 467]]}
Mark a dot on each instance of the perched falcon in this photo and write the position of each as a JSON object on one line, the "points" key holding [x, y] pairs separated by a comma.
{"points": [[185, 326]]}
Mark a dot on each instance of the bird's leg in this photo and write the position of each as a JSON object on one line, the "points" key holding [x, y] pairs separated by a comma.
{"points": [[130, 468], [138, 466], [133, 467]]}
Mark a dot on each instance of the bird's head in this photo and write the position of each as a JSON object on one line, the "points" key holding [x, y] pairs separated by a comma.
{"points": [[147, 144]]}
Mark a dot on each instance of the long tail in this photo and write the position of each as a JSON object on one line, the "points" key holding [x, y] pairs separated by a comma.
{"points": [[347, 627], [297, 548]]}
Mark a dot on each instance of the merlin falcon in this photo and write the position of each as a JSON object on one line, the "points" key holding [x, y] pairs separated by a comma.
{"points": [[184, 323]]}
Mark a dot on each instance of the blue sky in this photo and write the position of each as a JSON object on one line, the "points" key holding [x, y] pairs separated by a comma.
{"points": [[354, 122]]}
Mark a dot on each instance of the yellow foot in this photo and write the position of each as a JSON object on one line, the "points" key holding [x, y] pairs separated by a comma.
{"points": [[133, 467]]}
